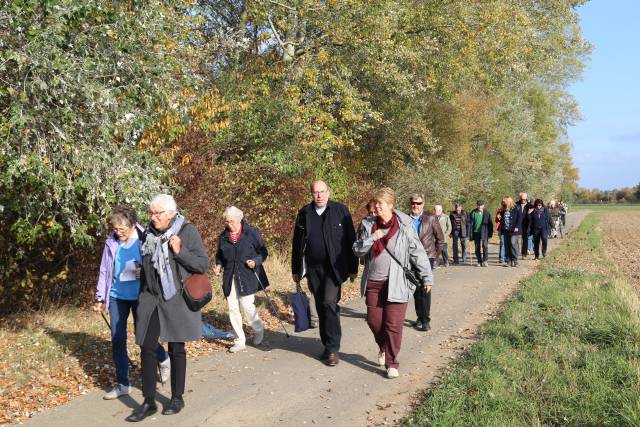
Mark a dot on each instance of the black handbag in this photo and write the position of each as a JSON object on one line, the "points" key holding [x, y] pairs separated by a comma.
{"points": [[408, 273]]}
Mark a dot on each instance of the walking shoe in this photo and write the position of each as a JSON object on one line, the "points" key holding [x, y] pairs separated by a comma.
{"points": [[392, 373], [479, 264], [259, 336], [237, 347], [165, 370], [485, 264], [381, 359], [425, 327], [417, 324], [333, 359], [117, 391], [175, 405], [325, 355], [147, 408]]}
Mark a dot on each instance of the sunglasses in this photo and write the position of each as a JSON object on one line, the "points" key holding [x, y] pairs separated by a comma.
{"points": [[417, 203]]}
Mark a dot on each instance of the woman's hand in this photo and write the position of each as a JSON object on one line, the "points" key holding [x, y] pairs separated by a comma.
{"points": [[98, 307], [175, 244], [251, 264], [217, 270], [378, 234]]}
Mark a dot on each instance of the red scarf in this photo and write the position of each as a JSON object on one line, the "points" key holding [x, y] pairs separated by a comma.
{"points": [[234, 237], [381, 243]]}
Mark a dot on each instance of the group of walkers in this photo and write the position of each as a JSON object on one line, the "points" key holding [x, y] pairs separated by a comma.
{"points": [[143, 271]]}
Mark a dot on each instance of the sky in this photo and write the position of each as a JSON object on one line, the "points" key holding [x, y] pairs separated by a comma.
{"points": [[606, 143]]}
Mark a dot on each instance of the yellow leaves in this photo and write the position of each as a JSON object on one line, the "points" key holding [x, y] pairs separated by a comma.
{"points": [[186, 159]]}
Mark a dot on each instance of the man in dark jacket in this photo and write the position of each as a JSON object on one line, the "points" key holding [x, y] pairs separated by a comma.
{"points": [[460, 232], [481, 229], [525, 208], [321, 250], [432, 239]]}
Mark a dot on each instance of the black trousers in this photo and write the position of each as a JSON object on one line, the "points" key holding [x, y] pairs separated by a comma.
{"points": [[524, 249], [422, 301], [326, 293], [538, 236], [481, 243], [149, 358]]}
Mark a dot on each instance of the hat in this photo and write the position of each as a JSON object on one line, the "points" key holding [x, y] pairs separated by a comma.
{"points": [[481, 202]]}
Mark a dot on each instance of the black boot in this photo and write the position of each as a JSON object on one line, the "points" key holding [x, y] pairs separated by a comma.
{"points": [[147, 408], [175, 405]]}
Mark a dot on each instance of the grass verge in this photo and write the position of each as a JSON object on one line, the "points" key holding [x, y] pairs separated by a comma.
{"points": [[565, 351]]}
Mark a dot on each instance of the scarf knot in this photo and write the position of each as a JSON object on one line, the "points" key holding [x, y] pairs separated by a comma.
{"points": [[158, 247], [380, 224]]}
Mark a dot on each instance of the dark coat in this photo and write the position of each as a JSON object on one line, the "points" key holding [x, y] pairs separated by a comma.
{"points": [[233, 258], [543, 222], [525, 214], [515, 223], [339, 236], [177, 322], [486, 232], [464, 223], [431, 235]]}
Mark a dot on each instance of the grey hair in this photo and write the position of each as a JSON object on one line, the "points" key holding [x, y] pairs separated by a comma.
{"points": [[232, 212], [414, 196], [166, 202], [436, 207]]}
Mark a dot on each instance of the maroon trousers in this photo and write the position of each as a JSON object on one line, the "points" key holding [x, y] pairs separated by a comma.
{"points": [[386, 320]]}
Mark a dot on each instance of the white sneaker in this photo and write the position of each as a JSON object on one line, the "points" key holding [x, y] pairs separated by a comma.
{"points": [[381, 359], [117, 391], [237, 347], [258, 337], [165, 370], [392, 373]]}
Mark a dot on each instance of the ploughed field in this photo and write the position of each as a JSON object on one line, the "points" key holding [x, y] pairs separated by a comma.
{"points": [[622, 242]]}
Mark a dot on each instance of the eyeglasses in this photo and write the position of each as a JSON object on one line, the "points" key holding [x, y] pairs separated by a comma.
{"points": [[417, 203], [317, 193], [152, 214]]}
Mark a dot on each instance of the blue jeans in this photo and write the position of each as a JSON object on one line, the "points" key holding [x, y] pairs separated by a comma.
{"points": [[119, 313], [501, 256]]}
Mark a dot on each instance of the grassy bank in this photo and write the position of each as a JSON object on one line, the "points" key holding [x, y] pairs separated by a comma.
{"points": [[565, 351]]}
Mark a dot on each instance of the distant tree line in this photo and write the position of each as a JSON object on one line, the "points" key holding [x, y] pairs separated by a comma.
{"points": [[622, 195]]}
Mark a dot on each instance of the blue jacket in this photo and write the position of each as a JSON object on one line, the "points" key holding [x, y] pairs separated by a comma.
{"points": [[515, 222], [540, 220]]}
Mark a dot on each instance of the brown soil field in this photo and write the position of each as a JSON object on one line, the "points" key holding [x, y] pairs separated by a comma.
{"points": [[622, 243]]}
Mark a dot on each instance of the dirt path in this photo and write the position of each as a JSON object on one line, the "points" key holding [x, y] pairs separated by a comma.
{"points": [[282, 382]]}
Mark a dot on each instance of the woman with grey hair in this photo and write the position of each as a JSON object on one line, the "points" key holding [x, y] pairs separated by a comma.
{"points": [[172, 251], [241, 252]]}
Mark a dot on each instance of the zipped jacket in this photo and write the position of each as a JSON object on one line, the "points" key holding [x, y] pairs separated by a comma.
{"points": [[233, 258], [107, 264], [408, 250]]}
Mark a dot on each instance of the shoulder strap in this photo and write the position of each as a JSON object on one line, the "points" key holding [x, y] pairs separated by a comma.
{"points": [[394, 257]]}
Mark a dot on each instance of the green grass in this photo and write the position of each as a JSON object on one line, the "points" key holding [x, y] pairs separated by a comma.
{"points": [[565, 351]]}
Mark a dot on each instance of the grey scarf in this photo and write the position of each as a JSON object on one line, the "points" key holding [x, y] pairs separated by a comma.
{"points": [[158, 248]]}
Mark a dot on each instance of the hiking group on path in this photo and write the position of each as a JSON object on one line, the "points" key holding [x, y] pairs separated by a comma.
{"points": [[144, 271]]}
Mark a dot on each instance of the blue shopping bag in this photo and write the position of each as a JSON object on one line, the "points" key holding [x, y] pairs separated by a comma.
{"points": [[301, 311]]}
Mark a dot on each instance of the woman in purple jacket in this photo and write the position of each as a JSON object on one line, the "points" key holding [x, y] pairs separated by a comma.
{"points": [[117, 291]]}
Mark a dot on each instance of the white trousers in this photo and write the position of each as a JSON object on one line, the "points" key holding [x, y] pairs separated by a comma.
{"points": [[248, 307]]}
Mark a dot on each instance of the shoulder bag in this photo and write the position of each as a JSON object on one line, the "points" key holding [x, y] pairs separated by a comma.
{"points": [[408, 273]]}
